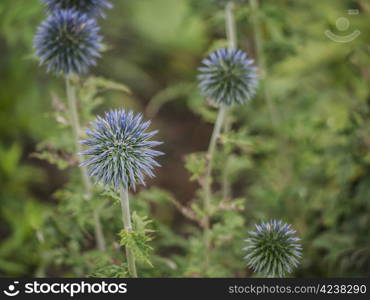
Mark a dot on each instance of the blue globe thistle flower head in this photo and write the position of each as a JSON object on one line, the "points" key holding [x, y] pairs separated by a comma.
{"points": [[119, 150], [68, 42], [228, 77], [93, 8], [273, 249]]}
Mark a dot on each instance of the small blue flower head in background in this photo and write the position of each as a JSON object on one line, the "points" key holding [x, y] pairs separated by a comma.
{"points": [[228, 77], [119, 152], [93, 8], [68, 43], [273, 249]]}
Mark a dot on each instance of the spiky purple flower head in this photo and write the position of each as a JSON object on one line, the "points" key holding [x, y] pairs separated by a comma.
{"points": [[273, 249], [228, 77], [119, 152], [93, 8], [68, 42]]}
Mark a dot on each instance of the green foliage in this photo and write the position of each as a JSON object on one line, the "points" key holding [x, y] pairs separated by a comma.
{"points": [[175, 21], [171, 93], [298, 152], [137, 239], [196, 164], [110, 271], [90, 92]]}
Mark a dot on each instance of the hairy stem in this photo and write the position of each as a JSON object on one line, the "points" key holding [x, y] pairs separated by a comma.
{"points": [[126, 219], [72, 104], [231, 26], [208, 182]]}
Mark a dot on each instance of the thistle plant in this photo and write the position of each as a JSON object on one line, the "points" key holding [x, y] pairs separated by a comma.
{"points": [[273, 249], [68, 43], [119, 155], [93, 8], [227, 77]]}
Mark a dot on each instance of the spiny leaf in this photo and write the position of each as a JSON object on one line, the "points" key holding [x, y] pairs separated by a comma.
{"points": [[137, 242], [138, 239], [173, 92], [141, 223], [94, 83], [195, 163]]}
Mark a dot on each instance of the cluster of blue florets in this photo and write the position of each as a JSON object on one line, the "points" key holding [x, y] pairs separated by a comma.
{"points": [[228, 76], [68, 41], [273, 249], [119, 150]]}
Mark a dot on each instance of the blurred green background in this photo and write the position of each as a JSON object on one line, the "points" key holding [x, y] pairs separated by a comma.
{"points": [[303, 142]]}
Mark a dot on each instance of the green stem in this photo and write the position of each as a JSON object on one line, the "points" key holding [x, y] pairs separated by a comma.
{"points": [[231, 34], [72, 104], [231, 26], [208, 182], [221, 118], [100, 240], [126, 219], [226, 186], [232, 40]]}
